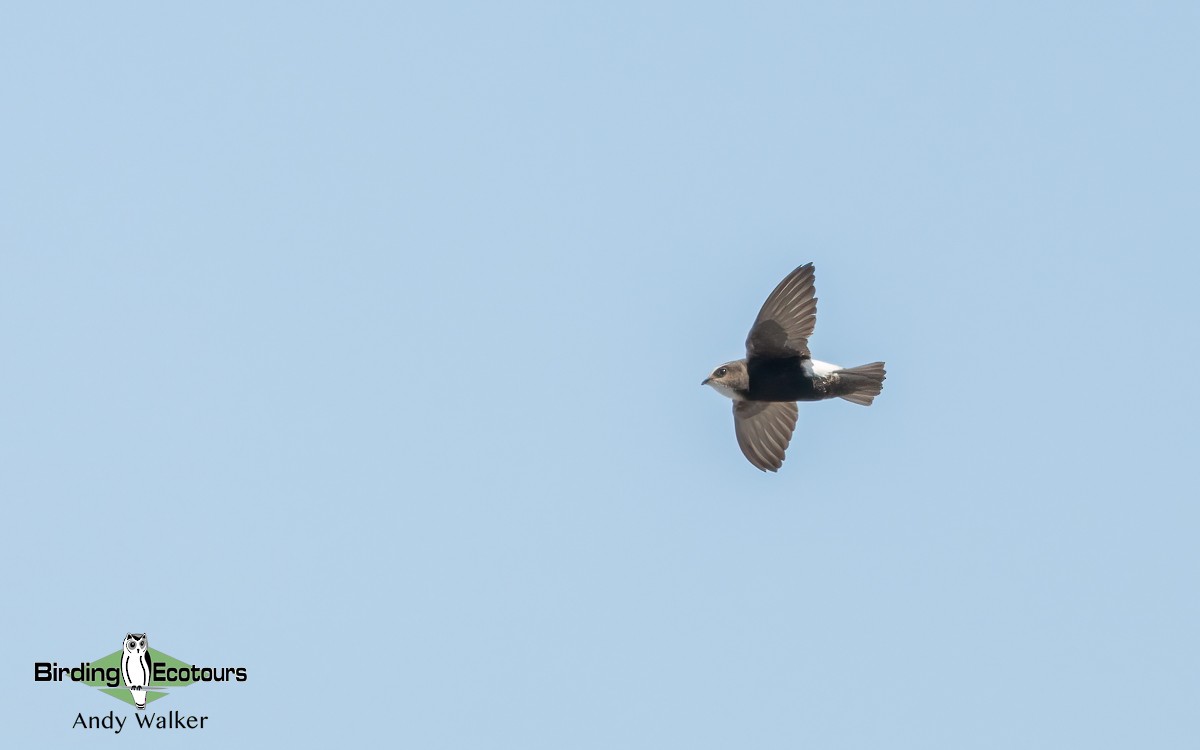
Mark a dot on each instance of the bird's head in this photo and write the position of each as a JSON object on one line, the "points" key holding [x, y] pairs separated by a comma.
{"points": [[731, 380]]}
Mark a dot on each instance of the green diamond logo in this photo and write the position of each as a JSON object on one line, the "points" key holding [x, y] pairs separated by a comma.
{"points": [[157, 689]]}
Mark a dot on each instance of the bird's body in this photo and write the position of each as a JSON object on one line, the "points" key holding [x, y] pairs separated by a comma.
{"points": [[785, 379], [778, 371]]}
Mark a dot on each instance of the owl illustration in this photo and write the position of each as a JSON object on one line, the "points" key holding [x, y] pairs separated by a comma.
{"points": [[135, 667]]}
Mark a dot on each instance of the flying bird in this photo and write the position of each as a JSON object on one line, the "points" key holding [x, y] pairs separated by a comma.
{"points": [[778, 371]]}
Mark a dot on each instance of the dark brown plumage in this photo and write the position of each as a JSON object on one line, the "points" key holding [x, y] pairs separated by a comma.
{"points": [[779, 370]]}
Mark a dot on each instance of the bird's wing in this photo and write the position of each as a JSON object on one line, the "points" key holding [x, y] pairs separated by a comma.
{"points": [[764, 429], [787, 318]]}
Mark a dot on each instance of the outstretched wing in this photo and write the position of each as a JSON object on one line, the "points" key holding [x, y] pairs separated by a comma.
{"points": [[787, 318], [764, 429]]}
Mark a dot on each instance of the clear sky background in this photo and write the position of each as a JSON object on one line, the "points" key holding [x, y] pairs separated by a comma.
{"points": [[359, 344]]}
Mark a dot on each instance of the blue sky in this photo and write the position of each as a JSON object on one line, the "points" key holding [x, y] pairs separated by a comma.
{"points": [[359, 345]]}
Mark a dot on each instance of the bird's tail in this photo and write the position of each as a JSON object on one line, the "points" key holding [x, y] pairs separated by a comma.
{"points": [[860, 385]]}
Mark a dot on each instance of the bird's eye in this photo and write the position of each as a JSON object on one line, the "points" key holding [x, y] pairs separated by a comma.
{"points": [[721, 372]]}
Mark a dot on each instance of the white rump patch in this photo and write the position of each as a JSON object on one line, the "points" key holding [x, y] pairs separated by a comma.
{"points": [[819, 368]]}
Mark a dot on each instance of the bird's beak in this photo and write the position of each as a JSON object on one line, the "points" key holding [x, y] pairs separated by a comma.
{"points": [[705, 381]]}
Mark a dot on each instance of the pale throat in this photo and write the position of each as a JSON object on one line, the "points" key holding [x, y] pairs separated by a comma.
{"points": [[726, 391]]}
